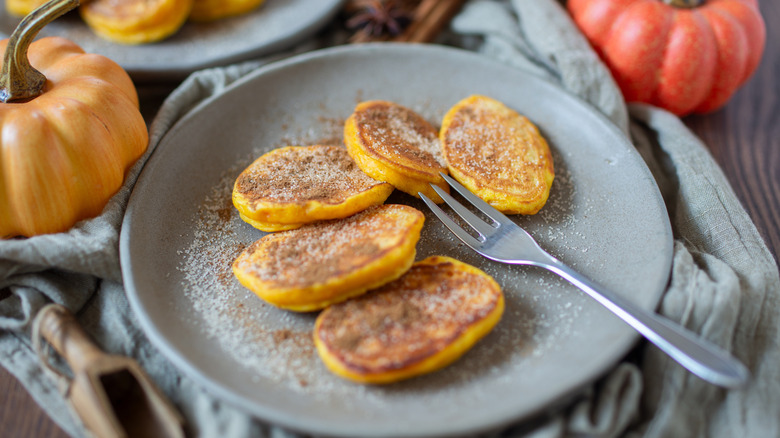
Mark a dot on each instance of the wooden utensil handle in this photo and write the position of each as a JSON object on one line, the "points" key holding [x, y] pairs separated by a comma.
{"points": [[430, 18], [61, 329]]}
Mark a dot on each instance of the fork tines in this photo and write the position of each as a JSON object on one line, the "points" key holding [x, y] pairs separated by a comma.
{"points": [[479, 225]]}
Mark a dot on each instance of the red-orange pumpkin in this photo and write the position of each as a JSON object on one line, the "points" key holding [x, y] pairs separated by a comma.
{"points": [[685, 56]]}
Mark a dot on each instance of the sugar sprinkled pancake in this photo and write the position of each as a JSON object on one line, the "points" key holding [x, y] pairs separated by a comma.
{"points": [[497, 154], [392, 143], [417, 324], [320, 264], [295, 185]]}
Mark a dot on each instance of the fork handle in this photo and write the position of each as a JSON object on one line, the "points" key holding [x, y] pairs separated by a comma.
{"points": [[699, 356]]}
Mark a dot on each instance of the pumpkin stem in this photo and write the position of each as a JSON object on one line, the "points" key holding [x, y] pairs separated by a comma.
{"points": [[687, 4], [18, 79]]}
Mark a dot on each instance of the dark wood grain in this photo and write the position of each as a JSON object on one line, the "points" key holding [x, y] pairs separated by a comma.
{"points": [[20, 416], [744, 138]]}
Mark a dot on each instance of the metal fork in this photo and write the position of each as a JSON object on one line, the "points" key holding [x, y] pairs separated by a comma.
{"points": [[504, 241]]}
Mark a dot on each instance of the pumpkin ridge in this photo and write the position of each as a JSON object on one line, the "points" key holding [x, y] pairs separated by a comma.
{"points": [[102, 69], [614, 25], [732, 55], [8, 219], [116, 126], [63, 49], [747, 13], [78, 183], [74, 88], [96, 169], [659, 69], [30, 207], [628, 55], [687, 80]]}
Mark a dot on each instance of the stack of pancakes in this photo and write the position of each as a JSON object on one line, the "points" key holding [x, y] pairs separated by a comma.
{"points": [[340, 248]]}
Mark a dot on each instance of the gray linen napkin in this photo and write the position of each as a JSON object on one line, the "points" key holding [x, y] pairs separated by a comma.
{"points": [[724, 282]]}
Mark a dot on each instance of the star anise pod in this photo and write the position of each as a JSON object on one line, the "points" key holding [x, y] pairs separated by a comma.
{"points": [[376, 20]]}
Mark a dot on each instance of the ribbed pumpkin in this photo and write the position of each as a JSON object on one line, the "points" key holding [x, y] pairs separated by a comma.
{"points": [[68, 133], [683, 55]]}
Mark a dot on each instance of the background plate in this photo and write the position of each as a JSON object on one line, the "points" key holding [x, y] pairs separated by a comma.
{"points": [[605, 217], [276, 25]]}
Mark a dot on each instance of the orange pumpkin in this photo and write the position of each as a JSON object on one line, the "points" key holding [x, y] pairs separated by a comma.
{"points": [[683, 55], [63, 152]]}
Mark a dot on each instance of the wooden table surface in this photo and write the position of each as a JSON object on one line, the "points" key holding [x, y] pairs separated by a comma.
{"points": [[743, 137]]}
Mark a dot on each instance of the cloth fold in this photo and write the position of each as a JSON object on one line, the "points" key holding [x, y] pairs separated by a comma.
{"points": [[724, 282]]}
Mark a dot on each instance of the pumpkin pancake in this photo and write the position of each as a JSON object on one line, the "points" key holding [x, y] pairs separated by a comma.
{"points": [[394, 144], [210, 10], [497, 154], [295, 185], [135, 21], [417, 324], [324, 263]]}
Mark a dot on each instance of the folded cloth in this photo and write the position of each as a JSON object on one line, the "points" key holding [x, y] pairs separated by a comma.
{"points": [[724, 281]]}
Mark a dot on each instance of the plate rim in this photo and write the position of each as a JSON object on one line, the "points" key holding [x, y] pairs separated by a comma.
{"points": [[299, 423]]}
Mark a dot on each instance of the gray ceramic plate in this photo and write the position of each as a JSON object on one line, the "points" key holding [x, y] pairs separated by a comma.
{"points": [[605, 217], [276, 25]]}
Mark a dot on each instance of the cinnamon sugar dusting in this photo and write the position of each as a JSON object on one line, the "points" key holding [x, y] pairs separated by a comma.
{"points": [[299, 174], [396, 132], [316, 253], [409, 319], [270, 346], [497, 147]]}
